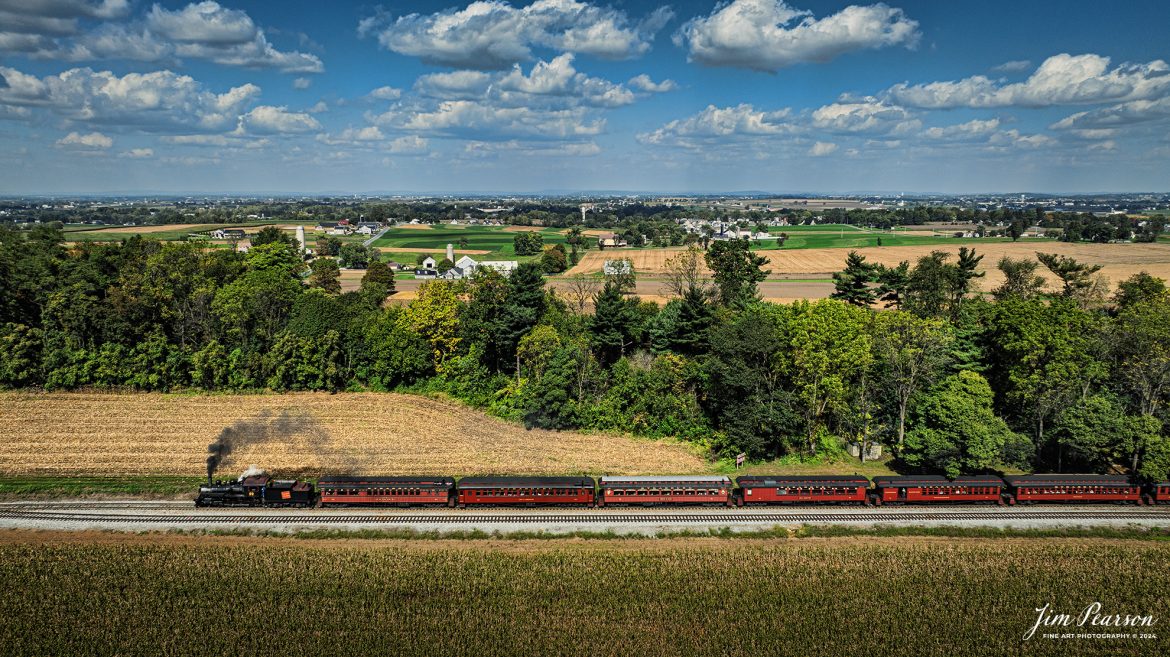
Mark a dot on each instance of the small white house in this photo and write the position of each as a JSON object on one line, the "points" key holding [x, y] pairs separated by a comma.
{"points": [[616, 267], [429, 263]]}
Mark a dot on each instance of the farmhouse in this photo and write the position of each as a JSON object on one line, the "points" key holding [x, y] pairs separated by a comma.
{"points": [[227, 234], [610, 240], [429, 263]]}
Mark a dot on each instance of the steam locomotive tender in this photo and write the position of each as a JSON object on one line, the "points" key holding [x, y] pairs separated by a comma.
{"points": [[259, 490]]}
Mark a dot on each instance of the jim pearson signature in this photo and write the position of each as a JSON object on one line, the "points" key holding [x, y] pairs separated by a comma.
{"points": [[1046, 617]]}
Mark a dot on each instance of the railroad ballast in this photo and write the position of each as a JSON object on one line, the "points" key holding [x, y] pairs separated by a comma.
{"points": [[680, 490]]}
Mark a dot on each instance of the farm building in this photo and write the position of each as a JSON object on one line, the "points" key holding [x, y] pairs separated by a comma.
{"points": [[610, 240]]}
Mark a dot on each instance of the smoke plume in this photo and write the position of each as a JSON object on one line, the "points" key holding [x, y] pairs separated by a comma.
{"points": [[265, 428]]}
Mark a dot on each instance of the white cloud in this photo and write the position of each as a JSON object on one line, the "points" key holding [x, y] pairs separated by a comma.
{"points": [[93, 141], [720, 124], [464, 118], [160, 101], [55, 17], [644, 83], [266, 119], [490, 34], [203, 30], [544, 149], [1117, 116], [767, 35], [865, 115], [558, 78], [455, 85], [137, 153], [1014, 66], [196, 140], [302, 83], [822, 148], [1015, 139], [318, 108], [408, 145], [1061, 80], [386, 93], [974, 129], [353, 136]]}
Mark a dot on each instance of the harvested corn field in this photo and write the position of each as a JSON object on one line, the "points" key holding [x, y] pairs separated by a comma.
{"points": [[183, 595], [1119, 261], [104, 434]]}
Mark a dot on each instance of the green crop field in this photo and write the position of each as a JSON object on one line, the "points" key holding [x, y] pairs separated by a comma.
{"points": [[92, 594], [494, 239], [851, 237]]}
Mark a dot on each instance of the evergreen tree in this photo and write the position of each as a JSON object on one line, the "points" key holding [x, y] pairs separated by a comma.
{"points": [[853, 284], [612, 325], [737, 271]]}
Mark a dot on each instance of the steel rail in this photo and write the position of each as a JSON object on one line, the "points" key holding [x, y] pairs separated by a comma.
{"points": [[302, 518]]}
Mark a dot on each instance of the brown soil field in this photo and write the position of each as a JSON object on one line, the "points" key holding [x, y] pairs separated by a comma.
{"points": [[646, 261], [109, 434], [413, 226], [1119, 261], [523, 229]]}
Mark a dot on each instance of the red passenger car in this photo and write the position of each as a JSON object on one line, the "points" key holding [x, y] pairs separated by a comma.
{"points": [[677, 489], [1027, 489], [815, 489], [386, 491], [930, 489], [1158, 493], [525, 491]]}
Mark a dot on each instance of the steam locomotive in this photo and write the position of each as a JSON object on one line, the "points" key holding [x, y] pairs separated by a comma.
{"points": [[361, 491]]}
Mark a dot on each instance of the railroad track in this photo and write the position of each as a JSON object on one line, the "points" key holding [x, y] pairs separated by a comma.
{"points": [[574, 518]]}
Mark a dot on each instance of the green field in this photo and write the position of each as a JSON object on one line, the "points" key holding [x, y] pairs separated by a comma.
{"points": [[89, 233], [832, 236], [494, 239], [70, 594]]}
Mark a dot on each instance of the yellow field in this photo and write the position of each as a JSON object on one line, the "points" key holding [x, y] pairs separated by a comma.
{"points": [[646, 261], [1120, 261], [104, 434]]}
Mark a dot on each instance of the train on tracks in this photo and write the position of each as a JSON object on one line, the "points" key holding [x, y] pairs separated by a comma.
{"points": [[689, 490]]}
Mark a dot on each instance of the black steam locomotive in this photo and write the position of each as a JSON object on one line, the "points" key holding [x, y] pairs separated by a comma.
{"points": [[258, 490]]}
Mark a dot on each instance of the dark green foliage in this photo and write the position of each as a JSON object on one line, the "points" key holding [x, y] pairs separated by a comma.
{"points": [[746, 396], [328, 246], [528, 243], [614, 325], [273, 235], [1020, 279], [892, 283], [548, 401], [554, 260], [1088, 385], [325, 275], [356, 256], [853, 284], [1140, 288], [379, 273], [737, 271], [955, 430]]}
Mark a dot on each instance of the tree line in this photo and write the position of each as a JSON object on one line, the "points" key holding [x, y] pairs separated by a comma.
{"points": [[1028, 375]]}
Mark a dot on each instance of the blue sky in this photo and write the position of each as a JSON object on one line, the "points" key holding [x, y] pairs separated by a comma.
{"points": [[800, 96]]}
